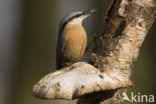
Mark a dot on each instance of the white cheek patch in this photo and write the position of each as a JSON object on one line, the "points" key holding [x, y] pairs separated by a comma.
{"points": [[77, 20]]}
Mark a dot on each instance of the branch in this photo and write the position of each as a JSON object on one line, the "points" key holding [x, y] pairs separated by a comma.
{"points": [[115, 51]]}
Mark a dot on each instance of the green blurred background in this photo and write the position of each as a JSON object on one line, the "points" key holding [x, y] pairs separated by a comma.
{"points": [[28, 35]]}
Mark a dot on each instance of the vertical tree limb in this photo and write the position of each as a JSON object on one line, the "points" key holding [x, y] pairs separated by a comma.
{"points": [[117, 48]]}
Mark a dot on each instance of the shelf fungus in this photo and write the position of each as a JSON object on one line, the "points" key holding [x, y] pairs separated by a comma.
{"points": [[77, 80]]}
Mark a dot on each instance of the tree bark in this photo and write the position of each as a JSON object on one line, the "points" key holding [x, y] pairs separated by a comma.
{"points": [[117, 47]]}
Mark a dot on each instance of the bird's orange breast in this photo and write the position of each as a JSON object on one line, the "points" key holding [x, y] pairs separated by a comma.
{"points": [[76, 40]]}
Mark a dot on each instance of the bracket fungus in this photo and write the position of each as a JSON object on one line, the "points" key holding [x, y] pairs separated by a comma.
{"points": [[79, 79]]}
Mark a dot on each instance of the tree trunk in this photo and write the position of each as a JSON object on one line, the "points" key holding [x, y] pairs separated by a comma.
{"points": [[117, 47]]}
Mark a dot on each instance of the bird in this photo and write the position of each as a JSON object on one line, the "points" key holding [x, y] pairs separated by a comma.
{"points": [[72, 39]]}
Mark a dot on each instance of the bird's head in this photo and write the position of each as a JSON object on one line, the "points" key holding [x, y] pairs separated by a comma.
{"points": [[75, 17]]}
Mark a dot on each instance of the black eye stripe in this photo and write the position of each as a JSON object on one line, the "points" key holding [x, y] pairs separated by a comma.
{"points": [[77, 15], [72, 16], [70, 19]]}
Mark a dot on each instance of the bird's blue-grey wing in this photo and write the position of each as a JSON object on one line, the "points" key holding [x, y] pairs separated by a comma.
{"points": [[60, 47]]}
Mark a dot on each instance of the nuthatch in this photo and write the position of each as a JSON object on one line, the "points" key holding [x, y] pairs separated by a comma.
{"points": [[72, 39]]}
